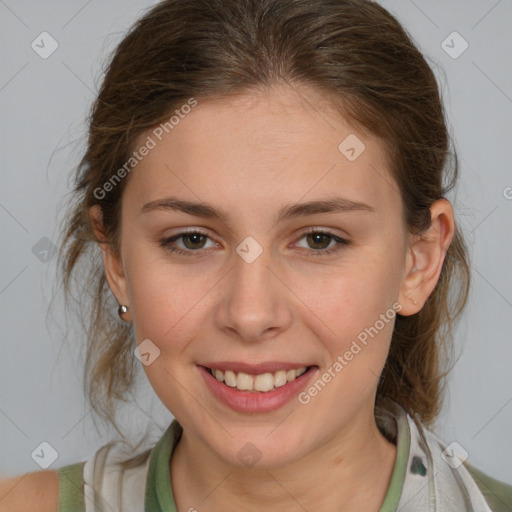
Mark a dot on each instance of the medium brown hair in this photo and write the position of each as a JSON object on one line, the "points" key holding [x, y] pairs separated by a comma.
{"points": [[352, 50]]}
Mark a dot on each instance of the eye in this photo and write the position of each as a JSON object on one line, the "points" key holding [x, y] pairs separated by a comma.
{"points": [[191, 241], [322, 242]]}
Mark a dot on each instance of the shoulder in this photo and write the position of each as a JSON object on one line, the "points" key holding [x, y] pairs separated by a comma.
{"points": [[111, 478], [458, 483], [497, 494], [71, 488], [32, 491]]}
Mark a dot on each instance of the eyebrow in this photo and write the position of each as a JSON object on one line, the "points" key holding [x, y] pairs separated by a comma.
{"points": [[205, 210]]}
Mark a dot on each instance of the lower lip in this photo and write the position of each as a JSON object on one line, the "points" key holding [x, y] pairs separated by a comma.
{"points": [[256, 402]]}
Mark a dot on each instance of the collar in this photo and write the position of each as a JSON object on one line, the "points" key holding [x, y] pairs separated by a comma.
{"points": [[424, 477]]}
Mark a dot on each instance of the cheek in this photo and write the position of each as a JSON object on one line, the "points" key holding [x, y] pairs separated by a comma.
{"points": [[163, 312], [355, 308], [160, 297], [352, 298], [360, 316]]}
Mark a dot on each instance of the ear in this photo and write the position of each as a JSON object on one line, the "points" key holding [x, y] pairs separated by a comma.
{"points": [[425, 258], [112, 261]]}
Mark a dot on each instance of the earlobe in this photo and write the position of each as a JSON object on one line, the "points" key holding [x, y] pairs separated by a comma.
{"points": [[425, 258], [112, 262]]}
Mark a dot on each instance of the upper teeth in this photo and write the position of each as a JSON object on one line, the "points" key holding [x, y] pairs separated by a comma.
{"points": [[263, 382]]}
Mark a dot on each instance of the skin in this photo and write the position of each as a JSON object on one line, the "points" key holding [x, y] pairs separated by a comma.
{"points": [[250, 155]]}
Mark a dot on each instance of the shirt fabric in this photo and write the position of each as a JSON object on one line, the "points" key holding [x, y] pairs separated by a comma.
{"points": [[427, 476]]}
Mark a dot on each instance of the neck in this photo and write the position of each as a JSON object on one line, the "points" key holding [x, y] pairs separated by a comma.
{"points": [[342, 474]]}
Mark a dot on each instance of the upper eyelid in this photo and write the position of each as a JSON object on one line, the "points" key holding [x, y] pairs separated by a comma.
{"points": [[302, 232]]}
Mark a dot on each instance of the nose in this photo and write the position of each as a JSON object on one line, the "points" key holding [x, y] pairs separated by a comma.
{"points": [[254, 304]]}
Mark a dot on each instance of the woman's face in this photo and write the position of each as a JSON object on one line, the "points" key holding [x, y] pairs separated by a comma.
{"points": [[253, 287]]}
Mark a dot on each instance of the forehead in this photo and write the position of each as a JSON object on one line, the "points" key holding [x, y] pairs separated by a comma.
{"points": [[279, 143]]}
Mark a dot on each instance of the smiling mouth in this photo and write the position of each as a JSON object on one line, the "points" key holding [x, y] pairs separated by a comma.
{"points": [[261, 383]]}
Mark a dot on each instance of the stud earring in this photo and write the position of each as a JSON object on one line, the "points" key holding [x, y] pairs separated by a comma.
{"points": [[122, 310]]}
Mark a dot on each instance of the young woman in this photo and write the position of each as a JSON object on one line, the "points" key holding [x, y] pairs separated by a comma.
{"points": [[265, 183]]}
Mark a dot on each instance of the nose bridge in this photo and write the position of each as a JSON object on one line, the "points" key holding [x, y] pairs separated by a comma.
{"points": [[254, 304]]}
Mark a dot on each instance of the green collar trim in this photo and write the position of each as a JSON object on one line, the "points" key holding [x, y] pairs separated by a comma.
{"points": [[159, 497], [403, 446]]}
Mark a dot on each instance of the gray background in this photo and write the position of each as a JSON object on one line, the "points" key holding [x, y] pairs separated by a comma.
{"points": [[43, 105]]}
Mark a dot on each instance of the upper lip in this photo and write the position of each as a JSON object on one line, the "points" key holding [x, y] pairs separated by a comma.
{"points": [[254, 369]]}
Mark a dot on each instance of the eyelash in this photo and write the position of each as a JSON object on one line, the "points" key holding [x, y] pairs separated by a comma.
{"points": [[166, 243]]}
